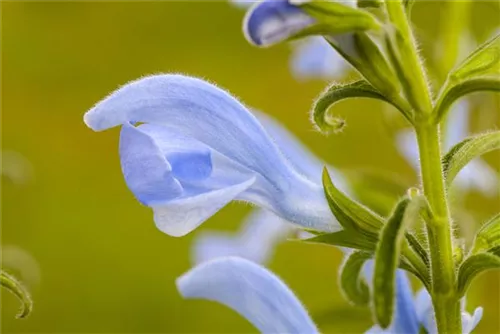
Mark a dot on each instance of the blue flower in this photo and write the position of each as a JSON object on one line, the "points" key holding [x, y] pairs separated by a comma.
{"points": [[477, 175], [412, 313], [263, 230], [312, 58], [252, 291], [315, 58], [272, 21], [256, 241], [194, 148], [265, 301]]}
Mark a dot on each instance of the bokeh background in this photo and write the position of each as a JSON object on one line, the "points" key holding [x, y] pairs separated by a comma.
{"points": [[103, 265]]}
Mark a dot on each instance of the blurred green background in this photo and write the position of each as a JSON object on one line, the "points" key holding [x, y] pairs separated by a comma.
{"points": [[104, 266]]}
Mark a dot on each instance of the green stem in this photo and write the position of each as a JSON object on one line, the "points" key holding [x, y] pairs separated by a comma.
{"points": [[445, 300], [414, 81]]}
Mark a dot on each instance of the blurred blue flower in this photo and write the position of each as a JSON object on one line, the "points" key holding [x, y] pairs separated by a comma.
{"points": [[477, 175], [263, 230], [413, 313], [252, 291], [313, 57], [256, 241], [265, 301], [196, 148]]}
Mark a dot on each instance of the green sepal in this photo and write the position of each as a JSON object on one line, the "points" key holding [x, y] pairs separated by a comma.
{"points": [[386, 263], [488, 236], [352, 215], [472, 267], [478, 72], [344, 239], [366, 57], [338, 17], [462, 153], [387, 257], [352, 283], [323, 119], [10, 283], [395, 43]]}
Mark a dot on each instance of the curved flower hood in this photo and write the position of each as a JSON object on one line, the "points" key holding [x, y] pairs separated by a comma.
{"points": [[196, 148]]}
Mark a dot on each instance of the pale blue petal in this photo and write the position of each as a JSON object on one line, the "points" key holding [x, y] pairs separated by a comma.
{"points": [[298, 155], [146, 170], [256, 241], [179, 208], [315, 58], [205, 114], [196, 109], [251, 290], [406, 143], [425, 311], [368, 270], [477, 174], [470, 322], [179, 217], [480, 176], [272, 21], [476, 318], [405, 317], [457, 124]]}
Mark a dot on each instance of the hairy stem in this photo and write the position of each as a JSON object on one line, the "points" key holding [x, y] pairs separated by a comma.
{"points": [[416, 87], [444, 297]]}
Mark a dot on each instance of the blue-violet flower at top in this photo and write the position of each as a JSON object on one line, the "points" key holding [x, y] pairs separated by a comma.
{"points": [[477, 175], [269, 305], [187, 148], [313, 57], [269, 22]]}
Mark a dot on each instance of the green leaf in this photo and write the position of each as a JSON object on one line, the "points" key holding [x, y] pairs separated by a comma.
{"points": [[472, 267], [417, 247], [462, 153], [339, 18], [17, 289], [351, 281], [387, 258], [323, 119], [488, 236], [478, 72], [350, 214], [366, 57], [344, 239]]}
